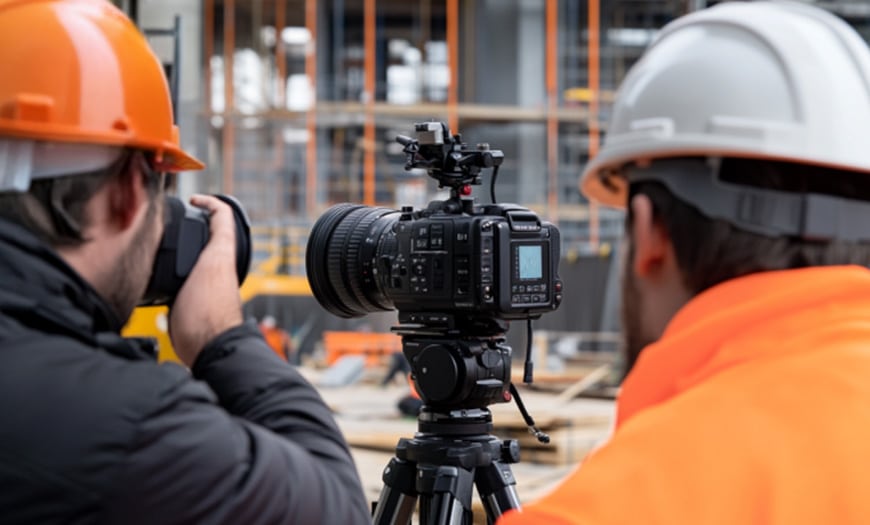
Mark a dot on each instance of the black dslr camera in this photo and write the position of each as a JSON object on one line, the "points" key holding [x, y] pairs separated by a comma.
{"points": [[454, 271], [185, 235]]}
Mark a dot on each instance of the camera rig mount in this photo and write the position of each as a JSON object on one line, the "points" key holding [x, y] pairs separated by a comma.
{"points": [[446, 158]]}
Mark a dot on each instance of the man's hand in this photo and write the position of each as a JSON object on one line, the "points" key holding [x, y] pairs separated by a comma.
{"points": [[208, 302]]}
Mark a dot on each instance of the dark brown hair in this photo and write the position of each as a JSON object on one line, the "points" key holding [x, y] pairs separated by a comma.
{"points": [[711, 251], [54, 209]]}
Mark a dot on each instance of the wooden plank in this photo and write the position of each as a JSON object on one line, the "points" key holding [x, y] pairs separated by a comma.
{"points": [[584, 384]]}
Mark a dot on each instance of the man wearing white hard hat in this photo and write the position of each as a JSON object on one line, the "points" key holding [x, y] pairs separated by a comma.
{"points": [[740, 148]]}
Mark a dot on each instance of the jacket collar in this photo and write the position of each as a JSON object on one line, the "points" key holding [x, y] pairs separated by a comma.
{"points": [[755, 317], [38, 287]]}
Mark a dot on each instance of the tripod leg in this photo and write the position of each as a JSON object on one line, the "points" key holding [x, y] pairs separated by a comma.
{"points": [[398, 497], [445, 495], [497, 487]]}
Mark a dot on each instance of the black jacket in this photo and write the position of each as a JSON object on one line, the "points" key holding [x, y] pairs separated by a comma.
{"points": [[93, 430]]}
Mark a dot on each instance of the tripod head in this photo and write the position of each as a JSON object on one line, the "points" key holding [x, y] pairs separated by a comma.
{"points": [[459, 364]]}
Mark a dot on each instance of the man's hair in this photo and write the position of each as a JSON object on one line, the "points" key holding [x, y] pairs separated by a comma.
{"points": [[54, 209], [711, 251]]}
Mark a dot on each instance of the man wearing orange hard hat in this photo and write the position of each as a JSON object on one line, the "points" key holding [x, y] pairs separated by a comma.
{"points": [[739, 146], [93, 430]]}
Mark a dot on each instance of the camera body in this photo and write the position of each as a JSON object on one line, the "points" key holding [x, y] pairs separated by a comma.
{"points": [[452, 263], [498, 260], [455, 271]]}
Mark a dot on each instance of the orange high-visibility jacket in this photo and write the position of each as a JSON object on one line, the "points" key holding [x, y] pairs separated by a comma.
{"points": [[753, 407]]}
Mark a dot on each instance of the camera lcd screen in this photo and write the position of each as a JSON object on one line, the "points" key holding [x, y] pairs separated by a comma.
{"points": [[530, 262]]}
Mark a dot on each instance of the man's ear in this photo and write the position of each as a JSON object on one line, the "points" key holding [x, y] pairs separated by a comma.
{"points": [[650, 241], [127, 194]]}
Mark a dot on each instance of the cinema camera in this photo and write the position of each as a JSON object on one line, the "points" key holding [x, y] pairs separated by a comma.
{"points": [[456, 271], [452, 270]]}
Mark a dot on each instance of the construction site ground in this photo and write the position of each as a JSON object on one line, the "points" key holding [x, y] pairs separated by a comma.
{"points": [[368, 416]]}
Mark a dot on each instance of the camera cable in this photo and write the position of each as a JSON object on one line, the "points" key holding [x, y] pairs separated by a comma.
{"points": [[527, 378], [492, 184]]}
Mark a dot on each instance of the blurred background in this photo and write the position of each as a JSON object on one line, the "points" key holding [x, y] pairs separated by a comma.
{"points": [[295, 105]]}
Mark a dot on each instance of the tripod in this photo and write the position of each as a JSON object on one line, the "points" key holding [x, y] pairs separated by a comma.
{"points": [[451, 452]]}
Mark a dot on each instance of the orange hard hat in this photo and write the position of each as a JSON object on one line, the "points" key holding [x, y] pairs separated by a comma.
{"points": [[79, 71]]}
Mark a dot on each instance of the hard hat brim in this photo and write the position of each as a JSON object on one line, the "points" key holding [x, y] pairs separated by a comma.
{"points": [[169, 156]]}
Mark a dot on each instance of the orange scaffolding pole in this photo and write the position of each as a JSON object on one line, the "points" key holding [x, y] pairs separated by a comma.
{"points": [[279, 101], [208, 42], [369, 130], [552, 102], [229, 131], [594, 86], [311, 116], [280, 52], [453, 64]]}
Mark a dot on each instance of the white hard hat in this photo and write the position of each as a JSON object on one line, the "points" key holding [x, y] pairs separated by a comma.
{"points": [[771, 80]]}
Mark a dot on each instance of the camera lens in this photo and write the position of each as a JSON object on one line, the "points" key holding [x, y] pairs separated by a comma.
{"points": [[340, 258]]}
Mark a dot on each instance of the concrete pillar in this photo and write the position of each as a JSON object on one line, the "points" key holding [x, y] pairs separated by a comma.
{"points": [[160, 14], [511, 36], [531, 92], [531, 54], [495, 30]]}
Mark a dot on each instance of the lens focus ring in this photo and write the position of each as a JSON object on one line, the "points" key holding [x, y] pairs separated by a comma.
{"points": [[339, 259]]}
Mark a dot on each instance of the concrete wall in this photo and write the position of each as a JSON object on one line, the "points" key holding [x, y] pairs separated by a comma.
{"points": [[160, 14]]}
